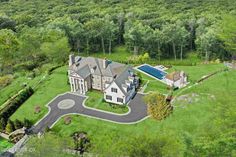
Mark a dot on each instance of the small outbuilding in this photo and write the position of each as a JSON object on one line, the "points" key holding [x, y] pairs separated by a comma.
{"points": [[176, 79]]}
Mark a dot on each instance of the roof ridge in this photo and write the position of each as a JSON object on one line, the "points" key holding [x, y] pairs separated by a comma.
{"points": [[96, 60]]}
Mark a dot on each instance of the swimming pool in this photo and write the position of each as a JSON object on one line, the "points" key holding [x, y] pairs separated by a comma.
{"points": [[152, 71]]}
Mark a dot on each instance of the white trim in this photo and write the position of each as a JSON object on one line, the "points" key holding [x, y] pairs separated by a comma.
{"points": [[163, 80]]}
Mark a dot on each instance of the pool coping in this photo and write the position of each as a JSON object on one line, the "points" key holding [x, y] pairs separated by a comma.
{"points": [[163, 80]]}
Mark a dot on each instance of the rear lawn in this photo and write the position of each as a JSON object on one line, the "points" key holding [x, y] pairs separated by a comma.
{"points": [[194, 73], [190, 120], [55, 84], [96, 100], [4, 144]]}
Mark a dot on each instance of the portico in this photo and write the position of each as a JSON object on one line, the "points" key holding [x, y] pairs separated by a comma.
{"points": [[78, 85]]}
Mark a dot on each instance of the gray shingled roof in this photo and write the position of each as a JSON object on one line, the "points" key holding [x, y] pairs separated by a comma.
{"points": [[122, 77], [111, 70], [84, 72]]}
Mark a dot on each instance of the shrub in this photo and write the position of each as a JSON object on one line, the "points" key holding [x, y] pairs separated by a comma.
{"points": [[29, 66], [158, 107], [27, 123], [37, 109], [18, 124], [3, 123], [67, 120], [5, 80], [10, 127], [13, 104]]}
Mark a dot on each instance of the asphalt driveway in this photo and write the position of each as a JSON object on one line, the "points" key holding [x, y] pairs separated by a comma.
{"points": [[138, 111]]}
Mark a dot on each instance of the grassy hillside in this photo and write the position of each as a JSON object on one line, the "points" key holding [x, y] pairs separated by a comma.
{"points": [[188, 122], [53, 85]]}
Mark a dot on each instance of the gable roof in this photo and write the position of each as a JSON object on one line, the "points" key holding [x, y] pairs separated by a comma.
{"points": [[84, 72], [175, 76], [112, 69], [120, 80]]}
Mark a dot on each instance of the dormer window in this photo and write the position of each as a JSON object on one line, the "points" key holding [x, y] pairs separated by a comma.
{"points": [[114, 90]]}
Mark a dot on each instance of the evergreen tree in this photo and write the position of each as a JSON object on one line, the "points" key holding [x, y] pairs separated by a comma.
{"points": [[27, 123], [10, 127], [18, 124], [3, 124]]}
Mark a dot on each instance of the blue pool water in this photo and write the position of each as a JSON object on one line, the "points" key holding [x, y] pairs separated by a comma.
{"points": [[152, 71]]}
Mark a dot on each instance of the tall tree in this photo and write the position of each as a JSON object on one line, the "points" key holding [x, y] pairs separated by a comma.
{"points": [[8, 47], [158, 107], [227, 33]]}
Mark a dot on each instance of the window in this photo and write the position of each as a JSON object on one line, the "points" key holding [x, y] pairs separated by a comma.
{"points": [[120, 100], [108, 97], [114, 90]]}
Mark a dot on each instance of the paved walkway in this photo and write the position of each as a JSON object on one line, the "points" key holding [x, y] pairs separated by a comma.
{"points": [[138, 111]]}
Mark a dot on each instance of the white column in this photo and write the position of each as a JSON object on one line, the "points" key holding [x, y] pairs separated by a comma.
{"points": [[71, 85], [74, 85]]}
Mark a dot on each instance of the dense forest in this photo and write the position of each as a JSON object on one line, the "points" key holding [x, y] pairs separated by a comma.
{"points": [[37, 32]]}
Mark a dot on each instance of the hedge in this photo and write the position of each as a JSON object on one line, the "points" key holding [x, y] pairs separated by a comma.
{"points": [[155, 62], [15, 103]]}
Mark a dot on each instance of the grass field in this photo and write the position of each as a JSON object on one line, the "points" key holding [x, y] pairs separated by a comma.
{"points": [[194, 73], [4, 144], [95, 100], [55, 84], [16, 86], [188, 120]]}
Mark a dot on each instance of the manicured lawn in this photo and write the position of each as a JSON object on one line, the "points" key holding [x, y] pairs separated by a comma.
{"points": [[194, 73], [4, 144], [153, 84], [185, 121], [55, 84], [96, 100]]}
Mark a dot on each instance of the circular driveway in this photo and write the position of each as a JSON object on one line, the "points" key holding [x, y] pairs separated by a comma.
{"points": [[66, 104], [70, 103]]}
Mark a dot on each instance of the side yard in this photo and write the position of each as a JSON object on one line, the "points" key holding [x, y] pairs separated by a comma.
{"points": [[16, 86], [55, 84]]}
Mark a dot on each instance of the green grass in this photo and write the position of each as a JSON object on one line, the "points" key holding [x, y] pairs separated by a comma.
{"points": [[4, 144], [196, 72], [16, 86], [153, 84], [55, 84], [113, 138], [96, 100]]}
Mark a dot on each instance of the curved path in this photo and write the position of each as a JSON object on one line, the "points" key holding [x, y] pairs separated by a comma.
{"points": [[138, 111]]}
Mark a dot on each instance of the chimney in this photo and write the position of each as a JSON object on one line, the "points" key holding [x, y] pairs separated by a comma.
{"points": [[105, 63], [71, 59]]}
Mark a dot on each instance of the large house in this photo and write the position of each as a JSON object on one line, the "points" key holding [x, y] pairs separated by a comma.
{"points": [[176, 79], [117, 81]]}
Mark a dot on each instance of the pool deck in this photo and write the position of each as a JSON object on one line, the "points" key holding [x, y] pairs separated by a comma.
{"points": [[163, 80]]}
